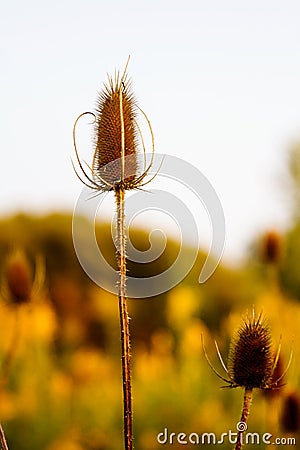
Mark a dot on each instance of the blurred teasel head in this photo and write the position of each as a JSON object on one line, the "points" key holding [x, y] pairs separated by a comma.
{"points": [[290, 416], [18, 278], [118, 139], [21, 279], [271, 247]]}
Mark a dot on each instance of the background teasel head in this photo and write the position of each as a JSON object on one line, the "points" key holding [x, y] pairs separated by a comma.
{"points": [[117, 139], [251, 361], [290, 415], [21, 282], [271, 247], [18, 279]]}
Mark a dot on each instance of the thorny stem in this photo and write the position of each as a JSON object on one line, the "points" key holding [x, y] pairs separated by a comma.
{"points": [[244, 417], [2, 439], [124, 320]]}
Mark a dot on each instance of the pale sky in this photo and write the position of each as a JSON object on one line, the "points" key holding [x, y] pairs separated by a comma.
{"points": [[220, 82]]}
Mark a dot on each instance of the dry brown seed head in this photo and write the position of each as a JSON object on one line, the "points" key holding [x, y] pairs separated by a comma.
{"points": [[271, 247], [116, 134], [251, 362], [290, 417], [18, 278], [117, 139]]}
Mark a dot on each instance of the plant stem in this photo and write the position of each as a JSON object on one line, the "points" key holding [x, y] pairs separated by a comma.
{"points": [[2, 439], [8, 359], [124, 319], [244, 417]]}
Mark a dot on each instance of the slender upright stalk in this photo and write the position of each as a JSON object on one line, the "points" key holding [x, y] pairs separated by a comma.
{"points": [[244, 417], [2, 439], [115, 167], [9, 357], [124, 319]]}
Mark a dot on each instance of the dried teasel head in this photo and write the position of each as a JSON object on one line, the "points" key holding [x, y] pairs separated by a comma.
{"points": [[18, 278], [251, 361], [271, 247], [290, 415], [117, 139], [20, 281], [116, 134]]}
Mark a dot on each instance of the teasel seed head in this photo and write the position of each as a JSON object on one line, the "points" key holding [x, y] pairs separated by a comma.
{"points": [[18, 278], [22, 281], [116, 132], [271, 247], [118, 139], [251, 361], [290, 416]]}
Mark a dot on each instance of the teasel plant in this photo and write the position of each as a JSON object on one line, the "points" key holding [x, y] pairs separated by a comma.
{"points": [[3, 442], [118, 143], [290, 414], [19, 285], [251, 364], [272, 250], [21, 282]]}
